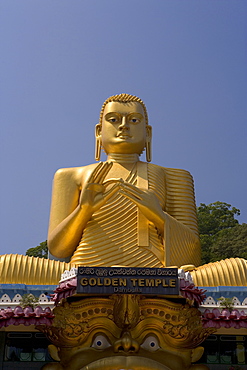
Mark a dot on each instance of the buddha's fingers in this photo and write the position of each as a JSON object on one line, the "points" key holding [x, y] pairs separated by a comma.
{"points": [[135, 198], [112, 181], [97, 188], [101, 199], [110, 192], [132, 187], [103, 172], [99, 173], [94, 173]]}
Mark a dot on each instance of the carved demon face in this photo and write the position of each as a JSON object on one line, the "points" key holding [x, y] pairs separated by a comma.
{"points": [[125, 333]]}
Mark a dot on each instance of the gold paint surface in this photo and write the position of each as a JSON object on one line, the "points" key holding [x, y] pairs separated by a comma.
{"points": [[228, 272], [19, 269]]}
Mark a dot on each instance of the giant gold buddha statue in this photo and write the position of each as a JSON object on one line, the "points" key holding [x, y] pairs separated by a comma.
{"points": [[124, 211]]}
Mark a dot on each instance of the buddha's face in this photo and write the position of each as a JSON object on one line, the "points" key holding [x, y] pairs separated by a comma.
{"points": [[124, 128]]}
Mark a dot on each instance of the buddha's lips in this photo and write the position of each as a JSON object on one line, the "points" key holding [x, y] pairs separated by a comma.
{"points": [[125, 363], [123, 135]]}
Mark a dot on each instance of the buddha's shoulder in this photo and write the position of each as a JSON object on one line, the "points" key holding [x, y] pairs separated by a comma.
{"points": [[171, 171], [74, 173]]}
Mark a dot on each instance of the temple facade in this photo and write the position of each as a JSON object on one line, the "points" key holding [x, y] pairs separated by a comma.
{"points": [[23, 346]]}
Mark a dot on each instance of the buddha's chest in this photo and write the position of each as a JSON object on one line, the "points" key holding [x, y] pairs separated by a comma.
{"points": [[142, 175], [121, 171]]}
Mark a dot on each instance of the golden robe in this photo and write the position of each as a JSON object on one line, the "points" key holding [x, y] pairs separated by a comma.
{"points": [[118, 234]]}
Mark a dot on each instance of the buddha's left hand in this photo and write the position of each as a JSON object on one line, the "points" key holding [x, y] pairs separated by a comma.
{"points": [[147, 202]]}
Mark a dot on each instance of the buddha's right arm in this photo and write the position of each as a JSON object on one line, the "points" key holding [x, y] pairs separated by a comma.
{"points": [[62, 241], [77, 194], [67, 217]]}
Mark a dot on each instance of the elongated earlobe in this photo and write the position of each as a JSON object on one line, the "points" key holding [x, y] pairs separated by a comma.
{"points": [[97, 142], [148, 151], [149, 143]]}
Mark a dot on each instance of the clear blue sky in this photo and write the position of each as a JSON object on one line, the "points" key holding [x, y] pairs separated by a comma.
{"points": [[61, 59]]}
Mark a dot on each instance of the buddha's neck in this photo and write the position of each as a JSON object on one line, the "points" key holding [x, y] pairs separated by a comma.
{"points": [[123, 157]]}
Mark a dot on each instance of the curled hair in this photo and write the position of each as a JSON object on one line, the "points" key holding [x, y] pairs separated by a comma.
{"points": [[123, 98]]}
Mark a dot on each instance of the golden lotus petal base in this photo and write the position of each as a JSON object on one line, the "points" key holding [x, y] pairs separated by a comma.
{"points": [[125, 332]]}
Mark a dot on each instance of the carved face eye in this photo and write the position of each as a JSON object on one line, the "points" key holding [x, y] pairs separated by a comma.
{"points": [[100, 342], [151, 343]]}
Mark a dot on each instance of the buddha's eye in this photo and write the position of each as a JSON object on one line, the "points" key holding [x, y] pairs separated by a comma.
{"points": [[100, 342], [134, 120], [151, 343], [112, 118]]}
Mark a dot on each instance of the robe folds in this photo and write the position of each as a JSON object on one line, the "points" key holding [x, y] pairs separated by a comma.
{"points": [[119, 234]]}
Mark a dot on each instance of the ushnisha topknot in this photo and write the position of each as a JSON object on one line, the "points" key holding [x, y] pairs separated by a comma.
{"points": [[123, 98]]}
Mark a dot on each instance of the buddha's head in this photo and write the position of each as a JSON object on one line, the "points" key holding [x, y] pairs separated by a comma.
{"points": [[123, 127]]}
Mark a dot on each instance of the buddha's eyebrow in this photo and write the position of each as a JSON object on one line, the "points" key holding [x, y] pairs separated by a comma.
{"points": [[135, 114], [125, 114], [110, 113]]}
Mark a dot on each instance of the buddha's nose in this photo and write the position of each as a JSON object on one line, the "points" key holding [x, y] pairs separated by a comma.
{"points": [[124, 123], [126, 344]]}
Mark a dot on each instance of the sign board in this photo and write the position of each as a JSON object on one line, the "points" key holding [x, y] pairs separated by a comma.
{"points": [[127, 280]]}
